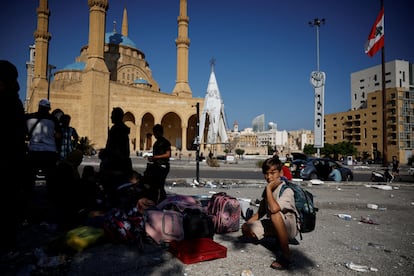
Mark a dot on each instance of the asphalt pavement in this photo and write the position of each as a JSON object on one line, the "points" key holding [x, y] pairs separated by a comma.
{"points": [[378, 239]]}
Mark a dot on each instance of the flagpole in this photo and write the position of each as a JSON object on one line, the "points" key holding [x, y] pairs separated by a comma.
{"points": [[384, 105]]}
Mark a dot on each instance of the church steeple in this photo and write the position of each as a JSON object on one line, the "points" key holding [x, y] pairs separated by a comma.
{"points": [[125, 23], [182, 88]]}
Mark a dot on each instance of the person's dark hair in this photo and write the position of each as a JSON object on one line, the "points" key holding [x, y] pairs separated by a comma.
{"points": [[158, 128], [57, 113], [272, 161], [117, 114], [8, 75], [65, 119]]}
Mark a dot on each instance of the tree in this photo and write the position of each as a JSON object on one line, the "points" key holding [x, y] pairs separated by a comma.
{"points": [[309, 149], [239, 152]]}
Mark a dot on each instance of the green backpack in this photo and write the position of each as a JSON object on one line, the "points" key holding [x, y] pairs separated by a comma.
{"points": [[304, 205]]}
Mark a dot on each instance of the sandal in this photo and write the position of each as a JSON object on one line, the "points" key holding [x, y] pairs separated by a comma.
{"points": [[280, 264]]}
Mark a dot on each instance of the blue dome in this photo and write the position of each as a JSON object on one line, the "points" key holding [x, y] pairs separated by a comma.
{"points": [[75, 66], [115, 38], [141, 81]]}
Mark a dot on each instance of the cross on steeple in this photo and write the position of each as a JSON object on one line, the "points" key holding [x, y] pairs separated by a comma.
{"points": [[212, 63], [114, 22]]}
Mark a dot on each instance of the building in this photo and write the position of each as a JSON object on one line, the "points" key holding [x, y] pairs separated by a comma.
{"points": [[299, 138], [110, 72], [399, 73], [362, 125], [258, 123]]}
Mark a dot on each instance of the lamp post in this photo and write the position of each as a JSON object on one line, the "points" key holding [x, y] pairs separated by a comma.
{"points": [[318, 82], [198, 143], [50, 67], [317, 23]]}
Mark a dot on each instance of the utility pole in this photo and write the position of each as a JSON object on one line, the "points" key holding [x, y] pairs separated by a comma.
{"points": [[198, 144]]}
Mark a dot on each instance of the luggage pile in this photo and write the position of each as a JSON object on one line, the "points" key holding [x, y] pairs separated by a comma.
{"points": [[182, 223]]}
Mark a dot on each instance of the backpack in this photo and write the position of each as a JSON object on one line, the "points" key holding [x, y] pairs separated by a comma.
{"points": [[225, 211], [304, 206]]}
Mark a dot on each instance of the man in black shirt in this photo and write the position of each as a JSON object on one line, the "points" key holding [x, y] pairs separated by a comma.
{"points": [[161, 164]]}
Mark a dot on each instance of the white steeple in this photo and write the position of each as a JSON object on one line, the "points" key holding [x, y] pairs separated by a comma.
{"points": [[213, 111]]}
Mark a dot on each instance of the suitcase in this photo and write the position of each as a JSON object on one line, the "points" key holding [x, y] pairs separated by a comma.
{"points": [[197, 250], [225, 211]]}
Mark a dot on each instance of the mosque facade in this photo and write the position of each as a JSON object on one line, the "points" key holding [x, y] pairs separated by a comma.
{"points": [[112, 72]]}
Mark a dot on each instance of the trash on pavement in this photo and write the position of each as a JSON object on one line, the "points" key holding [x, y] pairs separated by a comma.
{"points": [[372, 206], [344, 216], [316, 181], [368, 220], [246, 272], [360, 268], [381, 187]]}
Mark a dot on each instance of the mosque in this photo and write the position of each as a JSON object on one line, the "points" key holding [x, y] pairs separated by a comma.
{"points": [[112, 72]]}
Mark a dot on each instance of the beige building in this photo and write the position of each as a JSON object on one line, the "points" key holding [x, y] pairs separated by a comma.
{"points": [[362, 126], [110, 72]]}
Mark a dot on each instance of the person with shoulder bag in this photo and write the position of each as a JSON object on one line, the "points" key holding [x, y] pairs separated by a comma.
{"points": [[45, 140]]}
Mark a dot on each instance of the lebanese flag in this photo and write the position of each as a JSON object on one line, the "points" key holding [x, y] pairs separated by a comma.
{"points": [[376, 36]]}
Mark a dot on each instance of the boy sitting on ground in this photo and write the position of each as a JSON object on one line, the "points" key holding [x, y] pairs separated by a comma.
{"points": [[280, 210]]}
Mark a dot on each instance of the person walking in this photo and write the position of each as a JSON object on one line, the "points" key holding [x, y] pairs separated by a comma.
{"points": [[395, 170]]}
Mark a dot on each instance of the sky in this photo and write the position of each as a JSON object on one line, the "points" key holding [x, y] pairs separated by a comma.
{"points": [[264, 50]]}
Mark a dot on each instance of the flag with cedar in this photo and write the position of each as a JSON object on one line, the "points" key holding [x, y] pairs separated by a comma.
{"points": [[376, 36]]}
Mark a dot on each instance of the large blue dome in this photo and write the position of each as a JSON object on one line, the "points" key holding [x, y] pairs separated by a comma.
{"points": [[115, 38], [75, 66]]}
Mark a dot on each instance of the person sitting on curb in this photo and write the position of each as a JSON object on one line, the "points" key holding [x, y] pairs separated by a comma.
{"points": [[280, 210], [335, 174]]}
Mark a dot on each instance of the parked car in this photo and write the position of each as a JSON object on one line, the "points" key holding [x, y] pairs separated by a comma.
{"points": [[296, 166], [319, 168], [147, 154]]}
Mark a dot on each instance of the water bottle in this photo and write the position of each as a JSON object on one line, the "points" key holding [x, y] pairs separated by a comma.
{"points": [[344, 216]]}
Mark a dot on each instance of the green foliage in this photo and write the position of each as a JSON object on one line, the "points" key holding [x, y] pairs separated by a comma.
{"points": [[86, 146], [333, 151], [309, 149], [270, 150], [239, 152]]}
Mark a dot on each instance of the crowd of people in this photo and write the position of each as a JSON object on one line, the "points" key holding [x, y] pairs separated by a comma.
{"points": [[44, 145]]}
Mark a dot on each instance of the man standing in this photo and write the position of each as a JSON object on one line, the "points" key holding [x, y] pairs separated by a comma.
{"points": [[44, 141], [161, 159]]}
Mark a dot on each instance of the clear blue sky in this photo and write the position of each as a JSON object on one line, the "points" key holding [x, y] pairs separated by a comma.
{"points": [[264, 49]]}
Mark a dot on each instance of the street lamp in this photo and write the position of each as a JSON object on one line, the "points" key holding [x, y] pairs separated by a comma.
{"points": [[197, 141], [317, 23], [318, 82], [50, 67]]}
